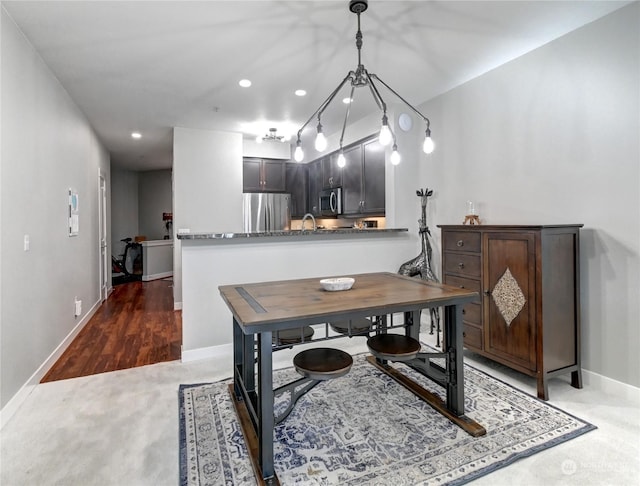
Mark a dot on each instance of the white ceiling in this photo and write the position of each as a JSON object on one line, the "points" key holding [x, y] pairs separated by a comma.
{"points": [[150, 66]]}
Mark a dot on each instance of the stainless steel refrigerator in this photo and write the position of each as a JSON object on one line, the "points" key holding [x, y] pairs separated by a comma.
{"points": [[266, 212]]}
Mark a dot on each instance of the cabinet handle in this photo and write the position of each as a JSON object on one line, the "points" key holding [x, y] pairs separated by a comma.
{"points": [[464, 312], [460, 243], [487, 292], [460, 265], [464, 334], [461, 286]]}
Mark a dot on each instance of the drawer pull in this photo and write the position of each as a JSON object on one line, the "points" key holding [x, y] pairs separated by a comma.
{"points": [[487, 292], [461, 265], [464, 334], [464, 312], [460, 243], [461, 286]]}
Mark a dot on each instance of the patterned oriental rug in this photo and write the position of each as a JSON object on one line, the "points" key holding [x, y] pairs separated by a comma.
{"points": [[365, 428]]}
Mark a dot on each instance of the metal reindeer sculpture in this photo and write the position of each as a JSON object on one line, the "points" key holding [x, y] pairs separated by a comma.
{"points": [[421, 265]]}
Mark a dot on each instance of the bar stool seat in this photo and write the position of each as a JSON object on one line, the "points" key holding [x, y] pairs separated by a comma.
{"points": [[394, 347], [322, 363], [361, 325], [292, 336]]}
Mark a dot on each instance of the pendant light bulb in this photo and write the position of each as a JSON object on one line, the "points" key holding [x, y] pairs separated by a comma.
{"points": [[385, 136], [395, 155], [341, 160], [298, 154], [321, 140], [258, 139], [428, 144]]}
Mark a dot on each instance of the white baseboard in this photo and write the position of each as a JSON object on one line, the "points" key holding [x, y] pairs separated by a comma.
{"points": [[610, 386], [177, 306], [209, 352], [156, 276], [14, 403]]}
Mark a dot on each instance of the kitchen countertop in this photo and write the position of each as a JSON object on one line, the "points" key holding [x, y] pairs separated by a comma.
{"points": [[288, 233]]}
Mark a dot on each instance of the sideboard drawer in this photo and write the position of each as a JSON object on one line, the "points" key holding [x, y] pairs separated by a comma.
{"points": [[472, 336], [462, 264], [463, 283], [472, 313], [461, 241]]}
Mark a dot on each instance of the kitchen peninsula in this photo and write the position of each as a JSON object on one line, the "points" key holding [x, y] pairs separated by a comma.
{"points": [[217, 258]]}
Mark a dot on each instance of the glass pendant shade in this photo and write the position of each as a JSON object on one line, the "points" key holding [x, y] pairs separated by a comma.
{"points": [[321, 142], [395, 156], [428, 145], [341, 160], [385, 135]]}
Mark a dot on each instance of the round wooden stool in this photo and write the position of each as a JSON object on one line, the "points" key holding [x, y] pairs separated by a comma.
{"points": [[322, 363], [393, 347], [361, 325], [292, 336]]}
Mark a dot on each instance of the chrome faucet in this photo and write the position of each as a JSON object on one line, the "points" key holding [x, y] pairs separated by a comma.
{"points": [[304, 218]]}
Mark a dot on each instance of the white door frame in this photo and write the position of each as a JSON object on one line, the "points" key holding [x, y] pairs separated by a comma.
{"points": [[102, 237]]}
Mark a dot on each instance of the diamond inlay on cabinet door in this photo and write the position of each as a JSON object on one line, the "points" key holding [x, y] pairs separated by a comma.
{"points": [[508, 297]]}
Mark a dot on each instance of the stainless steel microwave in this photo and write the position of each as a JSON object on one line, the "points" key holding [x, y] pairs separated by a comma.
{"points": [[330, 202]]}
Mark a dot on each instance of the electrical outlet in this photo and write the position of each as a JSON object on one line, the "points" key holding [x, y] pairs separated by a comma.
{"points": [[78, 307]]}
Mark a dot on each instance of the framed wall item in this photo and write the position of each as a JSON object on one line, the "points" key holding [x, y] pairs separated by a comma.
{"points": [[74, 226]]}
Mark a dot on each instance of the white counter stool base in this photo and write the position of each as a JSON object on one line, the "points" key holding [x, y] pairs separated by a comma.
{"points": [[315, 365], [393, 347]]}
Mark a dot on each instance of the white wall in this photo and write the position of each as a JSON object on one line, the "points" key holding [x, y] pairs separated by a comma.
{"points": [[553, 137], [154, 198], [47, 147], [207, 187]]}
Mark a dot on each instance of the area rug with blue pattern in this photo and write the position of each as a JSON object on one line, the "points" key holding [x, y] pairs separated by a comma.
{"points": [[365, 428]]}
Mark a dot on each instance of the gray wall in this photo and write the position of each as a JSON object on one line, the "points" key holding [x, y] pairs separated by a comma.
{"points": [[553, 137], [47, 148], [154, 198], [124, 207]]}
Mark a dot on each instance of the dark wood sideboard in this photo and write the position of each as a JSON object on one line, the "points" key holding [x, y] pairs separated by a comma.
{"points": [[528, 278]]}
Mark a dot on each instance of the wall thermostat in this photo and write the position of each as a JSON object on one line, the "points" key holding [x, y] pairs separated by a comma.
{"points": [[405, 122]]}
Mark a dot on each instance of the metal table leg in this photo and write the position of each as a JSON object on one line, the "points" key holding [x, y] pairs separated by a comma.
{"points": [[453, 346], [265, 406]]}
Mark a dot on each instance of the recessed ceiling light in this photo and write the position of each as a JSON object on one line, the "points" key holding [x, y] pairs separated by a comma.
{"points": [[300, 92], [136, 135], [245, 83], [346, 101]]}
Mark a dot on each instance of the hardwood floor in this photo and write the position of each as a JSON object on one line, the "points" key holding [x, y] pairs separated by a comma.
{"points": [[136, 326]]}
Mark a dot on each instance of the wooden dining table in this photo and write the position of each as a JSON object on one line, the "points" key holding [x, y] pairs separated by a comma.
{"points": [[261, 309]]}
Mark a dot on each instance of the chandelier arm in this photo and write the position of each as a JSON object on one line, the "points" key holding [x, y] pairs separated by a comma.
{"points": [[375, 93], [403, 100], [326, 102], [346, 115]]}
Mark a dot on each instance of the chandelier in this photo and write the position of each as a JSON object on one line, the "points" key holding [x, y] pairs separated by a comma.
{"points": [[272, 136], [362, 78]]}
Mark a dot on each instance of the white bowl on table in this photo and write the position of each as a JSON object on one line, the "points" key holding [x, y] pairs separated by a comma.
{"points": [[337, 284]]}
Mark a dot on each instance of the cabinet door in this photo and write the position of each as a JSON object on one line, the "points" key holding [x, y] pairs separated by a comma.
{"points": [[331, 173], [373, 178], [315, 185], [297, 183], [510, 297], [352, 181], [251, 175], [273, 176]]}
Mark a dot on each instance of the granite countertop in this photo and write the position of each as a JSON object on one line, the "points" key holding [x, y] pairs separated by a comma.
{"points": [[305, 233]]}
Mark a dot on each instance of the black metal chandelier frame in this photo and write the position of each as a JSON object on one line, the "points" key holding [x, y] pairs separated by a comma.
{"points": [[361, 78]]}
